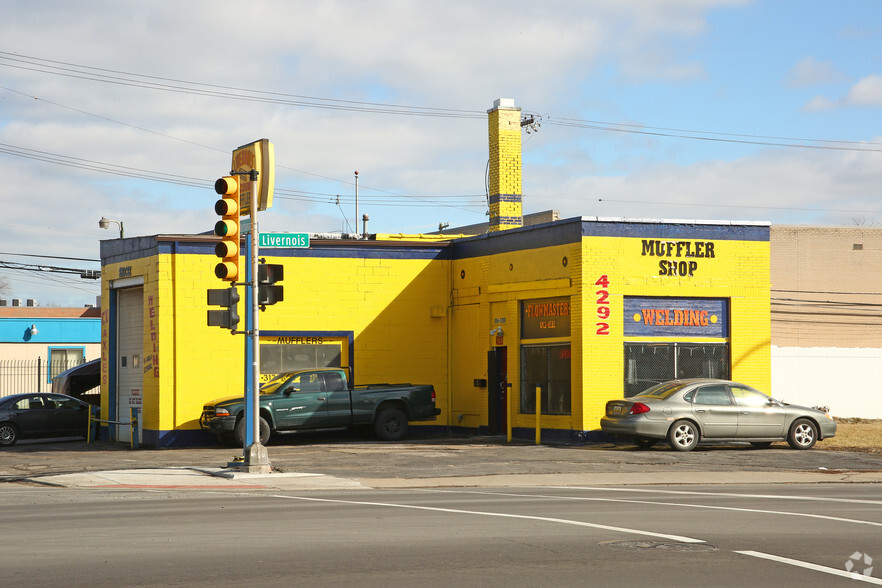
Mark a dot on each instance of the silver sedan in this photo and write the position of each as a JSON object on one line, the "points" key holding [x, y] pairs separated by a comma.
{"points": [[686, 412]]}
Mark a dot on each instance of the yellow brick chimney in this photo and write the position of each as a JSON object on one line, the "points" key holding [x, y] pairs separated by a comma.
{"points": [[506, 210]]}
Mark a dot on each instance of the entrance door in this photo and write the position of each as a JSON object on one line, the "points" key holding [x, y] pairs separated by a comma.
{"points": [[130, 349], [497, 390]]}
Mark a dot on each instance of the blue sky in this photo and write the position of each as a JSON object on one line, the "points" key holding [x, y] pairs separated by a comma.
{"points": [[674, 73]]}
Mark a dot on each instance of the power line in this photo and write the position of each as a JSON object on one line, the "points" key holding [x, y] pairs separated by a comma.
{"points": [[49, 256], [647, 129], [118, 77], [104, 75], [695, 137], [748, 206]]}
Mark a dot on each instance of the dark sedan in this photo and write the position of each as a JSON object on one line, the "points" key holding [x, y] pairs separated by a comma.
{"points": [[686, 412], [41, 415]]}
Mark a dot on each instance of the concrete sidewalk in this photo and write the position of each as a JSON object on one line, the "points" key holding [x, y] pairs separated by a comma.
{"points": [[201, 478]]}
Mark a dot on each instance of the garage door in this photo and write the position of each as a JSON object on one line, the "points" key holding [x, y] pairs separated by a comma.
{"points": [[130, 349]]}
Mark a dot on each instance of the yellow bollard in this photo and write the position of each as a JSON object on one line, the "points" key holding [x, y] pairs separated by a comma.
{"points": [[508, 414], [538, 414]]}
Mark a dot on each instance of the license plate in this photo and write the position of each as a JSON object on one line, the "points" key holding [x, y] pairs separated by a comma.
{"points": [[617, 409]]}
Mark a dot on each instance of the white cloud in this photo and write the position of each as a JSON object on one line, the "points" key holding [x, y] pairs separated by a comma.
{"points": [[549, 57], [811, 72], [791, 186], [867, 92]]}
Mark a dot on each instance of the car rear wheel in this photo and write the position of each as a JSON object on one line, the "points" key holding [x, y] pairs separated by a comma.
{"points": [[391, 425], [8, 434], [683, 436], [803, 434], [240, 432], [644, 442]]}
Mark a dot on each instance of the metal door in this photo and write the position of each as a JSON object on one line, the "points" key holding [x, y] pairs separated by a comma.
{"points": [[497, 390], [130, 349]]}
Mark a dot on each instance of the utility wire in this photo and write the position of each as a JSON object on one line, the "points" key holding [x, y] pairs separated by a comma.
{"points": [[50, 256], [96, 74], [110, 76]]}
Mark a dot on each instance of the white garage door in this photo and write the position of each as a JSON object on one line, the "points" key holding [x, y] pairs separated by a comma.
{"points": [[130, 350]]}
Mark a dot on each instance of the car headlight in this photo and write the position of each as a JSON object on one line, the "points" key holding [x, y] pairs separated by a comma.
{"points": [[221, 412]]}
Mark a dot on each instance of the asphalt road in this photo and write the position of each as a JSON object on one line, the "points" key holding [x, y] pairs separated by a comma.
{"points": [[775, 535]]}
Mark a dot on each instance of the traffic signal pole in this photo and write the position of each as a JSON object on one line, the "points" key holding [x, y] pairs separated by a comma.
{"points": [[256, 459]]}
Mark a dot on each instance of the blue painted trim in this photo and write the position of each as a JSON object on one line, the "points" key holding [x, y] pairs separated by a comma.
{"points": [[317, 249], [675, 230], [348, 252], [497, 198], [57, 330]]}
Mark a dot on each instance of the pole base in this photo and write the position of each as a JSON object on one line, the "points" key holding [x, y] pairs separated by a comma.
{"points": [[256, 460]]}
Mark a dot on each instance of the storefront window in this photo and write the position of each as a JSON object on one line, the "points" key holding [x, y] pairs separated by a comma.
{"points": [[647, 364], [546, 366], [275, 358]]}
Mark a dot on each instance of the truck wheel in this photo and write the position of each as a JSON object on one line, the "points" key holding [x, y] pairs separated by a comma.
{"points": [[240, 432], [391, 425]]}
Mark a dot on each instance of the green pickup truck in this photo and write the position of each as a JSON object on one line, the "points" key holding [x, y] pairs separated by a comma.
{"points": [[322, 399]]}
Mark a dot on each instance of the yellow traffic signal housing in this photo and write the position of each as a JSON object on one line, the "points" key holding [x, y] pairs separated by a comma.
{"points": [[227, 228]]}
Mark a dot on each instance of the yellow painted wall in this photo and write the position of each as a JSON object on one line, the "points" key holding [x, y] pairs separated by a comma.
{"points": [[487, 292], [739, 271], [489, 289], [397, 311]]}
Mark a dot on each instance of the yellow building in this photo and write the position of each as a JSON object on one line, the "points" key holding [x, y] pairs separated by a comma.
{"points": [[571, 312], [586, 309]]}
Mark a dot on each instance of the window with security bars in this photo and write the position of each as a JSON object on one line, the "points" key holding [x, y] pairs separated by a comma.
{"points": [[647, 364], [548, 367], [61, 359]]}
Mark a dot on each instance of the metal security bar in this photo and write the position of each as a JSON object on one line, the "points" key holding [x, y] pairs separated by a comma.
{"points": [[647, 364], [30, 376]]}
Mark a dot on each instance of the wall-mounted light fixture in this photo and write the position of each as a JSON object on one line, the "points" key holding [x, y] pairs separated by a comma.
{"points": [[33, 330], [104, 223]]}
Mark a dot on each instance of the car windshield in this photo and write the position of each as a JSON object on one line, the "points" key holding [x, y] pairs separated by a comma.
{"points": [[663, 390]]}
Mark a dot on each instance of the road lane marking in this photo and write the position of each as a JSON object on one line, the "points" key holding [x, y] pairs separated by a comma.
{"points": [[501, 515], [680, 504], [729, 494], [811, 566]]}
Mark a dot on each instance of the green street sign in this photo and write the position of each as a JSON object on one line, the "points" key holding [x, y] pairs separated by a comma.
{"points": [[298, 240]]}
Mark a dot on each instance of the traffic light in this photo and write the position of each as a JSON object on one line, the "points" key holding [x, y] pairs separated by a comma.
{"points": [[227, 228], [228, 298], [267, 275]]}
